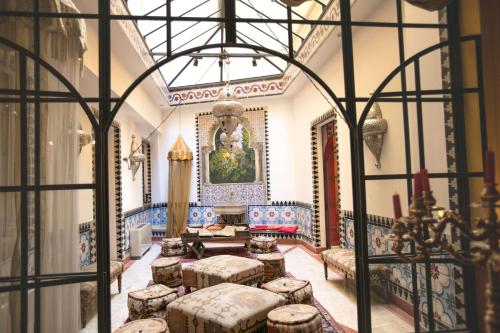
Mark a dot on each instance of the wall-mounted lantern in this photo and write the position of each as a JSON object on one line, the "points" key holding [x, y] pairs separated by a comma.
{"points": [[374, 130], [135, 158], [84, 138], [430, 5]]}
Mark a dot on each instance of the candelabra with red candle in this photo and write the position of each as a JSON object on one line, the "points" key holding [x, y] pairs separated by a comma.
{"points": [[427, 232]]}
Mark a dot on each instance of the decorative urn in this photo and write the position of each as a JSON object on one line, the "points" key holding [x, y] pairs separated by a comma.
{"points": [[228, 111], [374, 130]]}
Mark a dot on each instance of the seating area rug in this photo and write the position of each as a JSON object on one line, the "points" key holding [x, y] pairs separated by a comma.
{"points": [[329, 324]]}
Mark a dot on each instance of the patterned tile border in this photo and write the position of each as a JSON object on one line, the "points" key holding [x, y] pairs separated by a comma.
{"points": [[118, 189], [146, 173], [316, 164]]}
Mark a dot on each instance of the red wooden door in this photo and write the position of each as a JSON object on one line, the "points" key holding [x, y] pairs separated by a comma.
{"points": [[330, 184]]}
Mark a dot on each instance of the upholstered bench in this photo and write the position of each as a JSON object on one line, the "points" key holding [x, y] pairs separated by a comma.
{"points": [[88, 290], [224, 268], [152, 325], [167, 271], [344, 261], [172, 247], [294, 318], [263, 244], [150, 302], [223, 308], [294, 290]]}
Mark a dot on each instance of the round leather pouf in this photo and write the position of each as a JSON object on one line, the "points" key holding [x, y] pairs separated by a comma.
{"points": [[294, 318], [167, 271], [274, 265], [153, 325]]}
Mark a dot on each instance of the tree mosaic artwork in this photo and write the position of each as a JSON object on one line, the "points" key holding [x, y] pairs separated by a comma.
{"points": [[233, 160]]}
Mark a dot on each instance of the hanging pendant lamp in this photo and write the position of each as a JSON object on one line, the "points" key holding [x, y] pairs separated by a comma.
{"points": [[293, 3], [228, 111]]}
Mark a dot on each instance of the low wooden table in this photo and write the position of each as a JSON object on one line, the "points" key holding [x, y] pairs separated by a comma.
{"points": [[194, 241]]}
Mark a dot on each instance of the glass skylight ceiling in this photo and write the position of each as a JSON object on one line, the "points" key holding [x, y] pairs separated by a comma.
{"points": [[204, 69]]}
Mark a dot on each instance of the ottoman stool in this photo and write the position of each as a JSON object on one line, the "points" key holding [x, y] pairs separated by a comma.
{"points": [[294, 318], [274, 265], [224, 268], [263, 244], [223, 308], [172, 247], [294, 290], [153, 325], [150, 302], [167, 271]]}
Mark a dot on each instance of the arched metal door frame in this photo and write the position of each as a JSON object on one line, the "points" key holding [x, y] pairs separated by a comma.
{"points": [[40, 280], [419, 96]]}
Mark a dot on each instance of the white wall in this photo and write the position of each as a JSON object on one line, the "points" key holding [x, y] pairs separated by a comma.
{"points": [[131, 189], [375, 56]]}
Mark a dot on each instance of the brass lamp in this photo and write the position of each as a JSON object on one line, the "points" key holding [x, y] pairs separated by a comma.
{"points": [[228, 111]]}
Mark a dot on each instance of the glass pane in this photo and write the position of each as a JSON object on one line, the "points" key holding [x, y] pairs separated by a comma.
{"points": [[66, 144], [10, 219], [10, 152], [67, 231], [374, 11], [69, 308], [391, 298], [10, 311]]}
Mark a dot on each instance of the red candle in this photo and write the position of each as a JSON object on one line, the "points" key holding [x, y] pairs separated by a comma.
{"points": [[425, 180], [397, 206], [417, 185], [489, 167]]}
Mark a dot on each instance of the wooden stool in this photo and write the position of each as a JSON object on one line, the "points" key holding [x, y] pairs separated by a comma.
{"points": [[263, 244], [294, 318], [153, 325], [294, 290], [167, 271], [274, 265], [150, 302], [172, 247]]}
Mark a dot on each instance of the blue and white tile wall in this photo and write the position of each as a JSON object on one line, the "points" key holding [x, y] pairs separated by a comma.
{"points": [[289, 213], [444, 300], [87, 244]]}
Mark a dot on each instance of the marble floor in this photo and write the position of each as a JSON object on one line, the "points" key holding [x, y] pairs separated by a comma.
{"points": [[338, 299]]}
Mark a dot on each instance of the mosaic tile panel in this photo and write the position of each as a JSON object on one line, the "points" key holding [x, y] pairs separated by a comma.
{"points": [[400, 284], [87, 243]]}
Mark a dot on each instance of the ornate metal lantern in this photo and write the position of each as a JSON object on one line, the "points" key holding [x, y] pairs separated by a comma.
{"points": [[228, 111], [430, 5], [374, 130]]}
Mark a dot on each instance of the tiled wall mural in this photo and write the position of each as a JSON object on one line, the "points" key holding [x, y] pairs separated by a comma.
{"points": [[254, 122], [446, 293]]}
